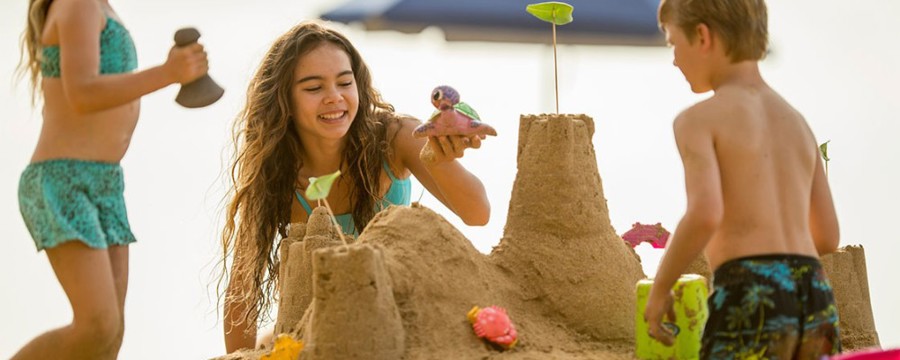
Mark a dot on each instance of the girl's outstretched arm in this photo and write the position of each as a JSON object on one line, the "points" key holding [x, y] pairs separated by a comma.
{"points": [[443, 176], [77, 26]]}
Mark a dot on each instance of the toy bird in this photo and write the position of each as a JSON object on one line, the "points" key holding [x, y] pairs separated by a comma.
{"points": [[452, 117]]}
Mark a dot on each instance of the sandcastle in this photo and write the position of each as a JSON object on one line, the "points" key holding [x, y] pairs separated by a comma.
{"points": [[846, 270], [402, 290], [404, 287]]}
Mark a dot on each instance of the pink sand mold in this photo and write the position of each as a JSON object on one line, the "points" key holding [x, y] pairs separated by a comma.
{"points": [[656, 235], [492, 324], [871, 354], [452, 117]]}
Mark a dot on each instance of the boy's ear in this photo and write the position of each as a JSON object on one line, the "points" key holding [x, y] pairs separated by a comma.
{"points": [[704, 36]]}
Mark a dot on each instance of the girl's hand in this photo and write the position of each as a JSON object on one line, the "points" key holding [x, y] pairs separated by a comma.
{"points": [[186, 63], [443, 149]]}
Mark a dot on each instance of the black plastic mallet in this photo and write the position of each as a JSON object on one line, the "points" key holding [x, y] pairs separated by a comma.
{"points": [[203, 91]]}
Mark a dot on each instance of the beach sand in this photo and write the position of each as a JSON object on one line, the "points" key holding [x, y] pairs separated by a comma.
{"points": [[566, 279]]}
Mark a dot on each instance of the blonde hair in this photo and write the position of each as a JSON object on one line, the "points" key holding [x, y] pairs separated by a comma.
{"points": [[268, 158], [742, 24], [30, 55]]}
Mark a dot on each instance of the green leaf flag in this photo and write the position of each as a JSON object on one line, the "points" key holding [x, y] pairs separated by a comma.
{"points": [[553, 12], [824, 150], [320, 186]]}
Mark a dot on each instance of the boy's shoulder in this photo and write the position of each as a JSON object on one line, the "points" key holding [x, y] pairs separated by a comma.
{"points": [[721, 108], [699, 114]]}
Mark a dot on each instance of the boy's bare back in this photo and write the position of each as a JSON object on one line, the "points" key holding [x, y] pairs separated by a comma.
{"points": [[757, 198], [768, 164]]}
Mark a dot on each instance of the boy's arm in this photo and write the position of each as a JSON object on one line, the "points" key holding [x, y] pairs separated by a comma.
{"points": [[823, 224], [704, 199], [702, 217]]}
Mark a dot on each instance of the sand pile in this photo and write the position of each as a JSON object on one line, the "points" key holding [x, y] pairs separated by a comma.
{"points": [[403, 289], [847, 271], [558, 242]]}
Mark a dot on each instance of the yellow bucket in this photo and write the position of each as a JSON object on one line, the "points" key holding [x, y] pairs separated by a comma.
{"points": [[691, 313]]}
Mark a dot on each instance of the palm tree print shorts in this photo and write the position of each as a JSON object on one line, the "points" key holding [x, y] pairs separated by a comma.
{"points": [[771, 307], [63, 200]]}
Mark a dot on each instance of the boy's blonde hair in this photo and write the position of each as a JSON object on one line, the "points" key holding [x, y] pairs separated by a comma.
{"points": [[741, 24]]}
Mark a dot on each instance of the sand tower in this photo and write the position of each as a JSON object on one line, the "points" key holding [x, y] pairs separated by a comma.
{"points": [[558, 239], [847, 271], [296, 266], [354, 314]]}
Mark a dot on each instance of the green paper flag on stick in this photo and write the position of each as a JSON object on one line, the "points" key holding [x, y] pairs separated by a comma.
{"points": [[554, 12], [320, 186], [823, 149], [318, 190]]}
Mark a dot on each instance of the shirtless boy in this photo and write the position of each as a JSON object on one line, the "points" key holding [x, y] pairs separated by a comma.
{"points": [[758, 200]]}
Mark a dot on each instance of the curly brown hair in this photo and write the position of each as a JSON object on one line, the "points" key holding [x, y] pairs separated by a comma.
{"points": [[267, 161]]}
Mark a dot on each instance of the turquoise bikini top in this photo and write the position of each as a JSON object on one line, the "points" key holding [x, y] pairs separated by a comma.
{"points": [[398, 194], [117, 52]]}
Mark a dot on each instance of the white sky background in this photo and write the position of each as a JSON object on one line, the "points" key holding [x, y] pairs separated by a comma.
{"points": [[835, 61]]}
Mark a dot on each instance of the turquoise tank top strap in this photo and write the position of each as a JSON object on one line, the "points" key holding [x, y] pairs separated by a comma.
{"points": [[117, 52], [400, 191], [390, 173], [303, 202]]}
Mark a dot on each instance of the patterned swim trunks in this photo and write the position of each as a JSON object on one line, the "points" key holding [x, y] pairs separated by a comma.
{"points": [[771, 307], [64, 200]]}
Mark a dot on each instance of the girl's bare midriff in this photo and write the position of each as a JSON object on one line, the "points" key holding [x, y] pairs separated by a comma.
{"points": [[96, 136]]}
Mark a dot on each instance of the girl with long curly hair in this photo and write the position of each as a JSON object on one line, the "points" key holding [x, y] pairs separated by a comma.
{"points": [[311, 110]]}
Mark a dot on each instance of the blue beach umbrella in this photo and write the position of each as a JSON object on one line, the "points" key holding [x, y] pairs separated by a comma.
{"points": [[597, 22]]}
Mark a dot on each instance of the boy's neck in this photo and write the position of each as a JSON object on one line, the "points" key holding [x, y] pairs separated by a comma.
{"points": [[744, 73]]}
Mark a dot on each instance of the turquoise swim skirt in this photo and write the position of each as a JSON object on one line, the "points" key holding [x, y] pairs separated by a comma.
{"points": [[74, 200]]}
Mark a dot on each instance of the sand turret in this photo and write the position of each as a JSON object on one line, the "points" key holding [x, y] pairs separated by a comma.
{"points": [[296, 285], [846, 269], [558, 239], [353, 315]]}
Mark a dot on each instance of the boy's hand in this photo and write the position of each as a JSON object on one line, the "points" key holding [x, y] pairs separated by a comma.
{"points": [[186, 63], [442, 149], [657, 307]]}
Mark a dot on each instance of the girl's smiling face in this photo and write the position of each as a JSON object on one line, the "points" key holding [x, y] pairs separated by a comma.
{"points": [[324, 97]]}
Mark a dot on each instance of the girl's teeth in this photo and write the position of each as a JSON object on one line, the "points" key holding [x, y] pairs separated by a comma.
{"points": [[332, 116]]}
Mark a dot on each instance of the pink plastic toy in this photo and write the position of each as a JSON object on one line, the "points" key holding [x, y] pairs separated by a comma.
{"points": [[452, 117], [656, 235], [873, 354], [492, 324]]}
